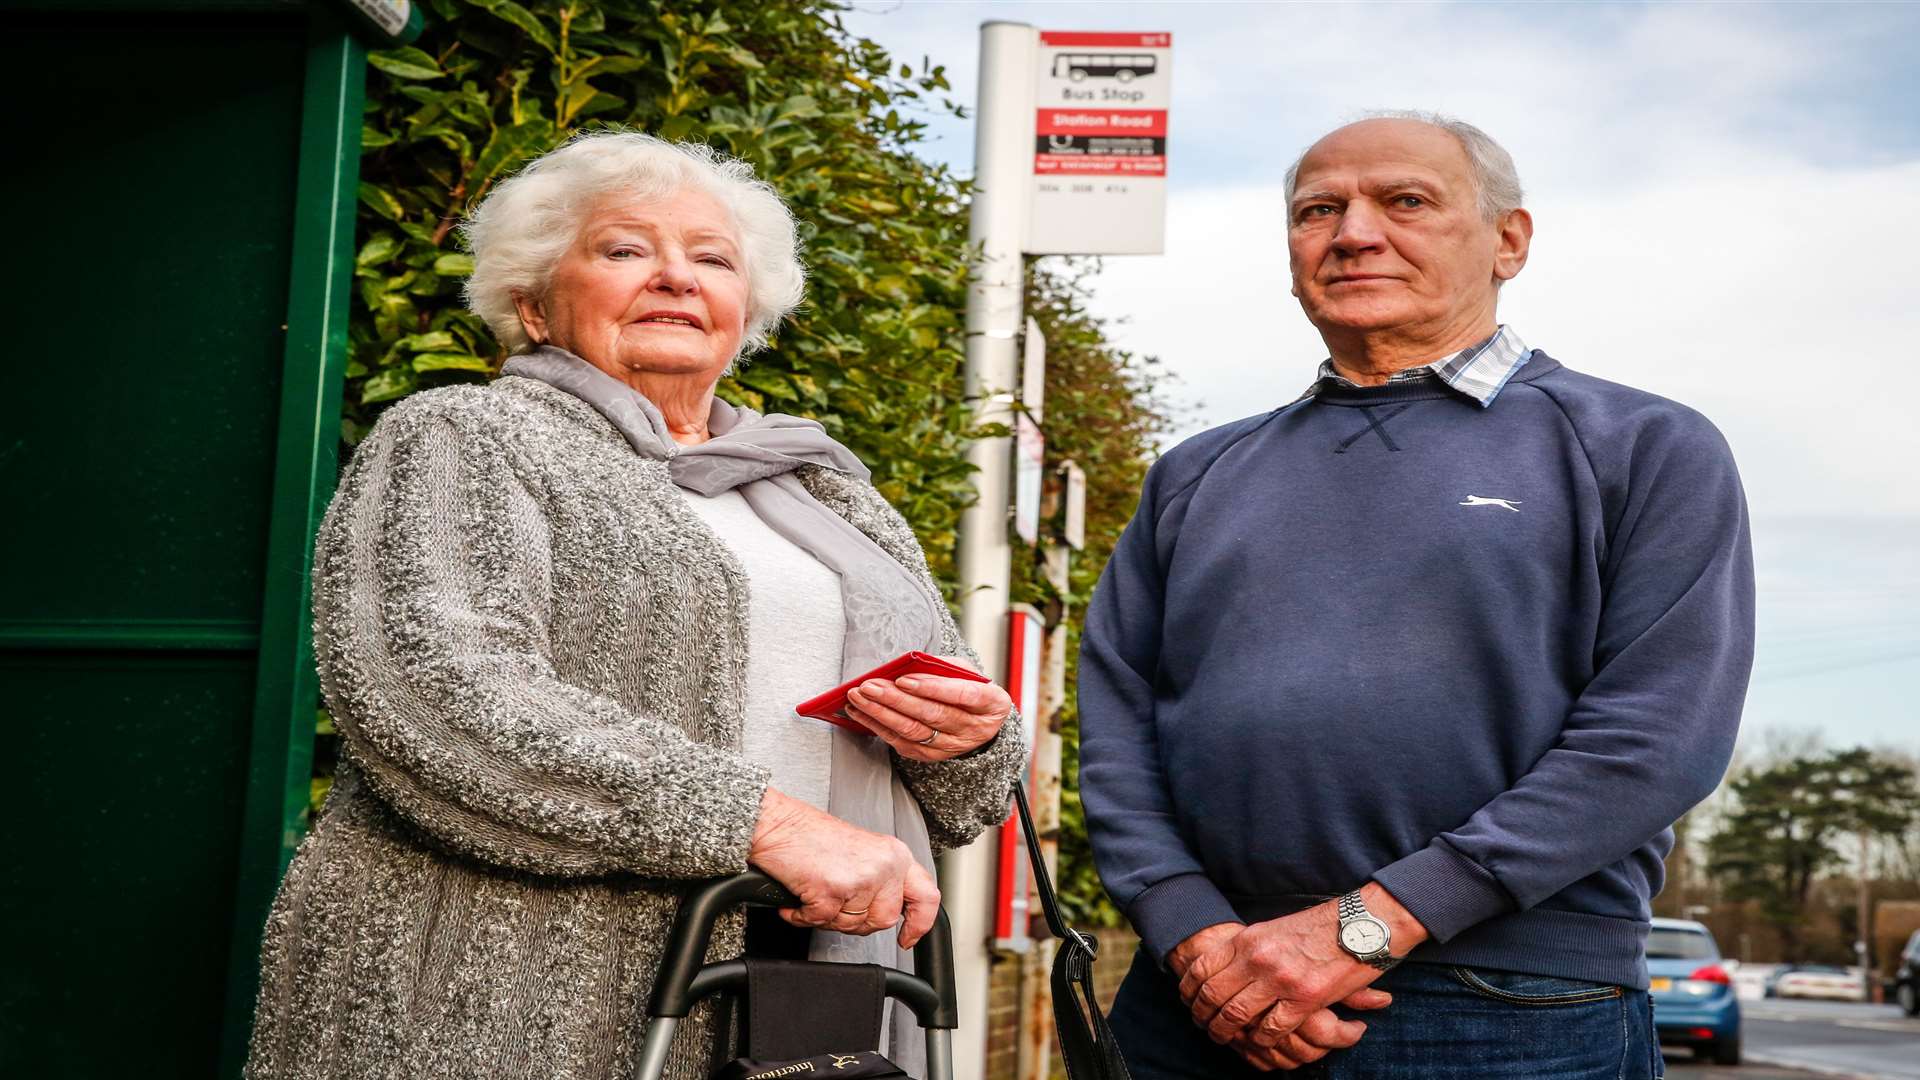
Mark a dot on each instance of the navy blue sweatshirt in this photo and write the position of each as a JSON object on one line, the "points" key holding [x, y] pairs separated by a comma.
{"points": [[1484, 657]]}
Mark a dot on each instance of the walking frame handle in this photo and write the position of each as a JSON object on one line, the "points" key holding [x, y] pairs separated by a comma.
{"points": [[683, 980]]}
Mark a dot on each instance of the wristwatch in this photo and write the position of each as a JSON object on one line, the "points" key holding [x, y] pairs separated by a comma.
{"points": [[1364, 936]]}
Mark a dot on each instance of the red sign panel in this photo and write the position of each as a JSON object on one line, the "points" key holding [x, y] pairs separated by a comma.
{"points": [[1145, 122], [1010, 908], [1100, 166], [1104, 40]]}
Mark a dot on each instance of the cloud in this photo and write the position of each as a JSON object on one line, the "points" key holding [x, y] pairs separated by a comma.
{"points": [[1780, 304]]}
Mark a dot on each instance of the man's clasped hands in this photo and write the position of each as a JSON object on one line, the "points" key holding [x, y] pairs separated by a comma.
{"points": [[1267, 989]]}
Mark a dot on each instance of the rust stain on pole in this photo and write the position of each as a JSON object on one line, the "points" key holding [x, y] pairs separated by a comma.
{"points": [[1036, 1011]]}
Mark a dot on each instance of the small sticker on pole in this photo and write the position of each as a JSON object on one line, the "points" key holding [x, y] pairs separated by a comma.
{"points": [[389, 15], [1030, 450]]}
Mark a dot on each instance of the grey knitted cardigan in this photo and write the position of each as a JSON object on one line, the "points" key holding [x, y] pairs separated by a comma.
{"points": [[536, 655]]}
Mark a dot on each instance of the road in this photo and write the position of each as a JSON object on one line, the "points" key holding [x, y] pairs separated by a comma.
{"points": [[1836, 1039]]}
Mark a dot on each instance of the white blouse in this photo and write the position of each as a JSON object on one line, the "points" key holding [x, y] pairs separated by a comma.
{"points": [[795, 628]]}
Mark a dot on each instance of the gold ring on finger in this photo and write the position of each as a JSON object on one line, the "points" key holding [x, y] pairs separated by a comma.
{"points": [[856, 911]]}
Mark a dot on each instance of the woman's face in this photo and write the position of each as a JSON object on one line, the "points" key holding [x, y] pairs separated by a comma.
{"points": [[652, 286]]}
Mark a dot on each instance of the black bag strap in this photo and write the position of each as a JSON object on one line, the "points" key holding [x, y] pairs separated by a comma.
{"points": [[1086, 1042]]}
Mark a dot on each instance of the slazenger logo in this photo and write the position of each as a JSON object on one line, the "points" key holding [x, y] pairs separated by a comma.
{"points": [[1481, 500]]}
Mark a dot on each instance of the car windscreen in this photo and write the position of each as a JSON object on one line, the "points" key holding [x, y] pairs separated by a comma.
{"points": [[1680, 945]]}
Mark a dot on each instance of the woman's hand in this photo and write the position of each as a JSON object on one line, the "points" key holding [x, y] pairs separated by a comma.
{"points": [[847, 879], [931, 718]]}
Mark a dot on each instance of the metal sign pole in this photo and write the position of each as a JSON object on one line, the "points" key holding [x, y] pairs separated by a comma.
{"points": [[1003, 152]]}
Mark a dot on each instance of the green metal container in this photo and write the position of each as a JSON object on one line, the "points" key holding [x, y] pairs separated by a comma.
{"points": [[180, 191]]}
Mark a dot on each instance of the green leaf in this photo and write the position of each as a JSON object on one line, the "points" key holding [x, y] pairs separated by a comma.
{"points": [[448, 361], [592, 20], [573, 103], [378, 249], [508, 147], [522, 18], [676, 128], [769, 382], [381, 201], [603, 102], [798, 107], [619, 65], [454, 265], [436, 341], [406, 62], [387, 386]]}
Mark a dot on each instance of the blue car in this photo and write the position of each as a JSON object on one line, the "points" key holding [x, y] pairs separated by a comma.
{"points": [[1693, 1002]]}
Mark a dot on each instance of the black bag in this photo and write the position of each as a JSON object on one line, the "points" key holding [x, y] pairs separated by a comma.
{"points": [[1086, 1042]]}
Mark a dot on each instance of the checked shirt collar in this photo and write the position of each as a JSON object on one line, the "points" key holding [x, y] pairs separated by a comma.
{"points": [[1479, 371]]}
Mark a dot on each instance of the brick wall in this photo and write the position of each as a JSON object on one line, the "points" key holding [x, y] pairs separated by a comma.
{"points": [[1116, 956], [1003, 1016]]}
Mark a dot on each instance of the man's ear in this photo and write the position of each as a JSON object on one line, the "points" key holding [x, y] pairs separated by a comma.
{"points": [[1516, 238], [533, 318]]}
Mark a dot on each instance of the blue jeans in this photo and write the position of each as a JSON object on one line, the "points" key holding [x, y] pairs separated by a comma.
{"points": [[1445, 1023]]}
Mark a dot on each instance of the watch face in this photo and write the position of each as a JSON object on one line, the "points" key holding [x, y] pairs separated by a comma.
{"points": [[1363, 936]]}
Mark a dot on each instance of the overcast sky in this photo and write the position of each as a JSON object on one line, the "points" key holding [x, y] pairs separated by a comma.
{"points": [[1726, 201]]}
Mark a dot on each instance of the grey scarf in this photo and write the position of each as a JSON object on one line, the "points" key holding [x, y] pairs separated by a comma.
{"points": [[887, 612]]}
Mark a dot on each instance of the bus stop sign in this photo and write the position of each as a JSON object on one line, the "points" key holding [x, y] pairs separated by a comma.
{"points": [[1100, 143]]}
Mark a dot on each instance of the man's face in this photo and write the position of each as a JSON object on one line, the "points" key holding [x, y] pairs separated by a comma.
{"points": [[1385, 233]]}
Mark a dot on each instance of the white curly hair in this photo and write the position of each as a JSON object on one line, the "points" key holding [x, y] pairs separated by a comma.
{"points": [[521, 229]]}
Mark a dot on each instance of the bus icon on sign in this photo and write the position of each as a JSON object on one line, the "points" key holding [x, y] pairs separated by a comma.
{"points": [[1122, 66]]}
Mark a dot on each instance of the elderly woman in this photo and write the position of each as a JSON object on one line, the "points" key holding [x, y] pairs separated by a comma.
{"points": [[562, 621]]}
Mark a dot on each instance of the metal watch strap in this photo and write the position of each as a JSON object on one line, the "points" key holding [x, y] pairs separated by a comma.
{"points": [[1351, 907]]}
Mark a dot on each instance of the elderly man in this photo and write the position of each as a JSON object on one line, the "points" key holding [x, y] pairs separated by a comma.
{"points": [[1422, 666]]}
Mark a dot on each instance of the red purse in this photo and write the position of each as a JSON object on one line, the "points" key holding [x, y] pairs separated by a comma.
{"points": [[832, 705]]}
